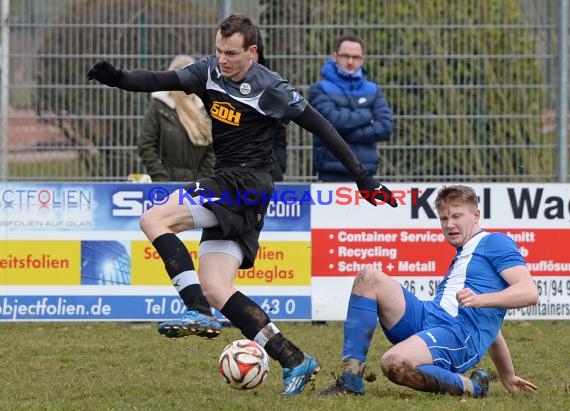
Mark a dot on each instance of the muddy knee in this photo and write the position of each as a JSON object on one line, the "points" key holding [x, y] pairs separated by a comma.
{"points": [[401, 372], [395, 368]]}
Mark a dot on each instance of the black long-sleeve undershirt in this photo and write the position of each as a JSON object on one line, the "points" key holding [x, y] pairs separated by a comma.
{"points": [[147, 81], [311, 120]]}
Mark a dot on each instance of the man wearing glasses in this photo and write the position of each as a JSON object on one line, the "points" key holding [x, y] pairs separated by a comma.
{"points": [[355, 106]]}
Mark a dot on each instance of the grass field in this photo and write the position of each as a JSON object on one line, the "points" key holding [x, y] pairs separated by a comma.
{"points": [[124, 366]]}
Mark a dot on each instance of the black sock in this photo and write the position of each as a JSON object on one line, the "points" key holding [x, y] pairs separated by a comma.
{"points": [[281, 349], [176, 260], [246, 315]]}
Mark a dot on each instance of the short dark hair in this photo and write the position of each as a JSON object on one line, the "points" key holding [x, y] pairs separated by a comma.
{"points": [[456, 194], [242, 24], [350, 37]]}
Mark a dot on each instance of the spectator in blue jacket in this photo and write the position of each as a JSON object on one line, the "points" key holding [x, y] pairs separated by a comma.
{"points": [[355, 106]]}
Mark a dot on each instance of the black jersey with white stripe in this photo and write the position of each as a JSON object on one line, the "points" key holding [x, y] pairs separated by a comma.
{"points": [[244, 113]]}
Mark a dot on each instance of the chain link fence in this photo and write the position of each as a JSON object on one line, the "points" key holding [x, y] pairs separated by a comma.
{"points": [[473, 85]]}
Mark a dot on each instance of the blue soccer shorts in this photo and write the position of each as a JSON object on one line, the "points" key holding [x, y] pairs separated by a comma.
{"points": [[451, 346]]}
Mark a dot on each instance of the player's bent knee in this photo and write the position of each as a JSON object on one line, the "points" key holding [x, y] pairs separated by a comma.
{"points": [[367, 277], [151, 225], [208, 291], [394, 367], [216, 296], [144, 222]]}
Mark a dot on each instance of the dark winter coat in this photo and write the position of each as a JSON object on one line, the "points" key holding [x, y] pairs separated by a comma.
{"points": [[279, 152], [167, 152], [358, 110]]}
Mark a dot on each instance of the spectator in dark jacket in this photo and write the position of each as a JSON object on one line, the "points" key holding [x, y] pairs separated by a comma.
{"points": [[355, 106], [176, 139], [279, 132]]}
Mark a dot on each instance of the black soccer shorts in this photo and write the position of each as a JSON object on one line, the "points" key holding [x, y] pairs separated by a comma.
{"points": [[239, 197]]}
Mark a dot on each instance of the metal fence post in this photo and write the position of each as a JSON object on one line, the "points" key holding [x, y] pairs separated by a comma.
{"points": [[562, 106], [4, 90], [225, 9]]}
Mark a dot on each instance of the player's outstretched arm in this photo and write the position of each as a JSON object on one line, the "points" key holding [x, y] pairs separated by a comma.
{"points": [[134, 80], [371, 189], [501, 357]]}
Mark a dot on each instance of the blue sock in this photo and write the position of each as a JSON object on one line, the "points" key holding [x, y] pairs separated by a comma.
{"points": [[441, 381], [359, 327]]}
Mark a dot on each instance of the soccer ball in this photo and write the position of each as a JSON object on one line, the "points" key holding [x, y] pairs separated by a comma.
{"points": [[244, 365]]}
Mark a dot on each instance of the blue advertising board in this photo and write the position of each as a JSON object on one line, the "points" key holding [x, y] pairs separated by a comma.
{"points": [[112, 207]]}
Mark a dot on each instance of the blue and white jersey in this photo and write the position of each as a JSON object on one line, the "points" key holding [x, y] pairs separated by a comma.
{"points": [[477, 265]]}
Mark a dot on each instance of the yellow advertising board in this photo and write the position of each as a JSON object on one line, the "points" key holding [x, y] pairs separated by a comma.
{"points": [[277, 263], [147, 267], [30, 262]]}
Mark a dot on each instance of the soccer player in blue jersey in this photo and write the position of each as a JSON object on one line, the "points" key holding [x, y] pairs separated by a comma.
{"points": [[436, 341], [246, 102]]}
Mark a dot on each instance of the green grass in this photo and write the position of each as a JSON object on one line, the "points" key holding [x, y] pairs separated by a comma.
{"points": [[123, 366]]}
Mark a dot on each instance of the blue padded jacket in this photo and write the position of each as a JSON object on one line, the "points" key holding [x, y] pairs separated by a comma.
{"points": [[358, 109]]}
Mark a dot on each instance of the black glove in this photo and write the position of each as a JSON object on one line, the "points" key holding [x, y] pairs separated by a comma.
{"points": [[375, 192], [105, 73]]}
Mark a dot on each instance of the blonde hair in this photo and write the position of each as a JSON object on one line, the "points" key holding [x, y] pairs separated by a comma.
{"points": [[190, 109], [456, 194]]}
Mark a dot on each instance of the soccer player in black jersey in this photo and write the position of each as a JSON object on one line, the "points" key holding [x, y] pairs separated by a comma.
{"points": [[245, 100]]}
